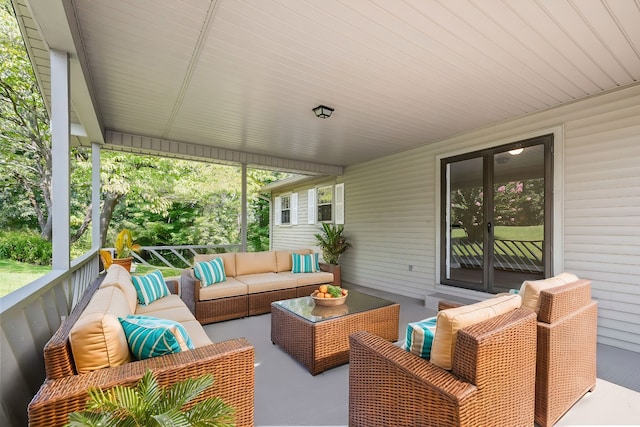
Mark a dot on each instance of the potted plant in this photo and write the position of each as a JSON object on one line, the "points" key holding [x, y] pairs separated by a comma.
{"points": [[149, 404], [124, 246], [332, 244]]}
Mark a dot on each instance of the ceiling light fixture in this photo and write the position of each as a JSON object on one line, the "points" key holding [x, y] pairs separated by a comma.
{"points": [[516, 151], [323, 111]]}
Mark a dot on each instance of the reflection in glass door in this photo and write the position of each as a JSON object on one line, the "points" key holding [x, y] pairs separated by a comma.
{"points": [[518, 216], [494, 210]]}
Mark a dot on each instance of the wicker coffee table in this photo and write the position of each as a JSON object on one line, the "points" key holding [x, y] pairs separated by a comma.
{"points": [[318, 337]]}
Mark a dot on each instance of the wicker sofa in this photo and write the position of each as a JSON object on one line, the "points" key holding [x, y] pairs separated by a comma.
{"points": [[99, 360], [491, 382], [567, 323], [253, 281]]}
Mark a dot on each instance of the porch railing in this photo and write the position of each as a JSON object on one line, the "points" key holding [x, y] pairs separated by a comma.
{"points": [[29, 317], [177, 257]]}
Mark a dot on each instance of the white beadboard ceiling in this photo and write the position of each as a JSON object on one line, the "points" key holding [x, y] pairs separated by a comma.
{"points": [[244, 75]]}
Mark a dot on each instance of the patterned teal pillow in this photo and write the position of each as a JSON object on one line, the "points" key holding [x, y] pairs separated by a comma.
{"points": [[150, 287], [420, 337], [150, 336], [210, 272], [305, 263]]}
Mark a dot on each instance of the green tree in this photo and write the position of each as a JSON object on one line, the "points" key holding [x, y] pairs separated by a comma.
{"points": [[25, 146]]}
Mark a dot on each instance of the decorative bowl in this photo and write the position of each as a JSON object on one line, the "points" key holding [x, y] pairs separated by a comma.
{"points": [[328, 302]]}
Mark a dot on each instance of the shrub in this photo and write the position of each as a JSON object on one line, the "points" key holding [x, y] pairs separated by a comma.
{"points": [[25, 246]]}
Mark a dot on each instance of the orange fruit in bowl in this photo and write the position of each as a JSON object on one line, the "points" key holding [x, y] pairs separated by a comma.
{"points": [[323, 289]]}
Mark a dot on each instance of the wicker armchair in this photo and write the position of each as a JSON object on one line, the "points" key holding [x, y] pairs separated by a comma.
{"points": [[491, 382], [566, 349], [566, 357]]}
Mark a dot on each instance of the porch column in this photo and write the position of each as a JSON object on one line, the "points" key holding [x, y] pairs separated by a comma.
{"points": [[60, 162], [243, 226], [96, 238]]}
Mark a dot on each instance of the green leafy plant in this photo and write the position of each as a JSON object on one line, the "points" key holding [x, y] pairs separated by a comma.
{"points": [[149, 404], [125, 245], [332, 243]]}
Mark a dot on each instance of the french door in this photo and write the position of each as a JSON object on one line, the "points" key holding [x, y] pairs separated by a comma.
{"points": [[496, 216]]}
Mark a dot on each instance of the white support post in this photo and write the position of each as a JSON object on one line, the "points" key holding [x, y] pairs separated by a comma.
{"points": [[60, 159], [96, 238], [243, 229]]}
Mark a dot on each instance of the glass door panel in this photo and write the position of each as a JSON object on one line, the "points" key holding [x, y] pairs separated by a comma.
{"points": [[518, 216], [465, 216]]}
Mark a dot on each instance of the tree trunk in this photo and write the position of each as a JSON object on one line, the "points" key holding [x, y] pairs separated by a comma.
{"points": [[111, 200]]}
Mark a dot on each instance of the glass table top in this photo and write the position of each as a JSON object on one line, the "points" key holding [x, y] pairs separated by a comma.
{"points": [[356, 302]]}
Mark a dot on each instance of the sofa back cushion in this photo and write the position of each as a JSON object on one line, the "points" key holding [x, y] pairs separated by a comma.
{"points": [[97, 338], [229, 260], [283, 258], [450, 321], [118, 276], [530, 290], [255, 262]]}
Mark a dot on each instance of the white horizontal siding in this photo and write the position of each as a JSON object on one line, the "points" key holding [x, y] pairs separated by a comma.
{"points": [[391, 224], [391, 208], [602, 217], [302, 234]]}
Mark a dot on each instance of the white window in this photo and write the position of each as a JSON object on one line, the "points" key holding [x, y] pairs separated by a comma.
{"points": [[286, 209], [325, 203]]}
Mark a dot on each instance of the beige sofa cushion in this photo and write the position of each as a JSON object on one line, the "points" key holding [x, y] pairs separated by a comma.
{"points": [[530, 290], [229, 260], [450, 321], [118, 276], [283, 258], [255, 262], [196, 332], [170, 307], [97, 338], [229, 288], [305, 279], [265, 282]]}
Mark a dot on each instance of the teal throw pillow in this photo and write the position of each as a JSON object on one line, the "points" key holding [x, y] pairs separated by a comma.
{"points": [[150, 287], [151, 336], [420, 337], [210, 272], [305, 263]]}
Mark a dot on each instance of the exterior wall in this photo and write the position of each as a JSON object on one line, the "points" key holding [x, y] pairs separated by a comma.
{"points": [[302, 234], [391, 208]]}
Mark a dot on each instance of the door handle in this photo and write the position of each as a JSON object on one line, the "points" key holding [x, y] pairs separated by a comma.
{"points": [[489, 227]]}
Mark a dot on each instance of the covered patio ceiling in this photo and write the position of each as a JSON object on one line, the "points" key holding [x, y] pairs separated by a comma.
{"points": [[236, 80]]}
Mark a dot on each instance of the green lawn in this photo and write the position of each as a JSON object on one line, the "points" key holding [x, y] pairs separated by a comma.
{"points": [[14, 274]]}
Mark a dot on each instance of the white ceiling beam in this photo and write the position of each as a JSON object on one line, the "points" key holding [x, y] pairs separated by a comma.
{"points": [[188, 151]]}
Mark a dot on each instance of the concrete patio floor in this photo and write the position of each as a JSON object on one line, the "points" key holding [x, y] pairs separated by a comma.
{"points": [[287, 395]]}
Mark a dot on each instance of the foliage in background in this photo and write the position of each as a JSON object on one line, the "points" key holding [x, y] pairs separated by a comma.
{"points": [[25, 154], [25, 247], [149, 404], [162, 201]]}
